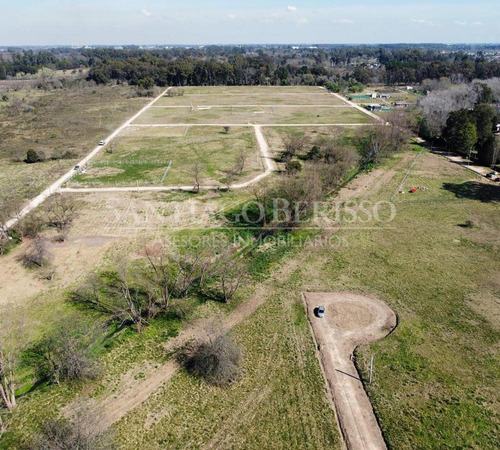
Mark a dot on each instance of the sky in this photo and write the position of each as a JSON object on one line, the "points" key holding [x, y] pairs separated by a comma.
{"points": [[114, 22]]}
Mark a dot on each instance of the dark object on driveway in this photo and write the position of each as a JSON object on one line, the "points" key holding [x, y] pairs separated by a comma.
{"points": [[319, 312]]}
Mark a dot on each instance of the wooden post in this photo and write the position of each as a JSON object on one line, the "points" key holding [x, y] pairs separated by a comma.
{"points": [[371, 369]]}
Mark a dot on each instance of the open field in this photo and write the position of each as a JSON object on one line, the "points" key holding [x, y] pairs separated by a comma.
{"points": [[139, 157], [250, 115], [436, 375], [435, 372], [57, 122], [252, 95]]}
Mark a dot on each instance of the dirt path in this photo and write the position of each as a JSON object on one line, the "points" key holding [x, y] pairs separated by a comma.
{"points": [[350, 320]]}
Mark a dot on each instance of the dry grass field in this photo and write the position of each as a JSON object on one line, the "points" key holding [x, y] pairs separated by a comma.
{"points": [[254, 115], [53, 123]]}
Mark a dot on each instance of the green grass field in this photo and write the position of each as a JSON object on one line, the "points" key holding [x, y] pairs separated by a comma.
{"points": [[141, 158], [249, 115], [436, 375]]}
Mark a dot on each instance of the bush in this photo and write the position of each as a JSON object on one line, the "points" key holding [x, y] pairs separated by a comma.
{"points": [[81, 433], [32, 157], [67, 353], [217, 360], [294, 166]]}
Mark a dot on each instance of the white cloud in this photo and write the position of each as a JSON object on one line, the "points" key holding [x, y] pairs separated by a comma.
{"points": [[231, 16], [146, 13], [422, 22], [464, 23], [291, 8], [302, 21], [344, 21]]}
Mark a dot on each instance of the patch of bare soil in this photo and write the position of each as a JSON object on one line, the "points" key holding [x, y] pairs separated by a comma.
{"points": [[71, 258], [351, 319]]}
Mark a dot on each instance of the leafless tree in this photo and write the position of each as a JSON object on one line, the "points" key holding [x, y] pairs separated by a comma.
{"points": [[61, 211], [294, 144], [240, 162], [438, 105], [82, 432], [227, 129], [231, 271], [37, 253], [11, 327], [197, 176], [66, 353], [163, 279]]}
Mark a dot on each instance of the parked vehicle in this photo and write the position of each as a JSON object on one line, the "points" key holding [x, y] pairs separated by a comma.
{"points": [[77, 167], [493, 174], [320, 312], [102, 142]]}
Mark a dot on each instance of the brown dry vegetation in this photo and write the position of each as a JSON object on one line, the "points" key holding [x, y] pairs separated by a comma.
{"points": [[53, 123]]}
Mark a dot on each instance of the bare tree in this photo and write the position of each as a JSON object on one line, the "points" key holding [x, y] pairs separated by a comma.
{"points": [[67, 352], [294, 144], [11, 327], [61, 211], [226, 129], [84, 432], [231, 272], [197, 176], [164, 280], [37, 254]]}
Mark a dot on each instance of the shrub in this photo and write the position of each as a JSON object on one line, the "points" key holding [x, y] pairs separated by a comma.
{"points": [[217, 360], [32, 157], [81, 433]]}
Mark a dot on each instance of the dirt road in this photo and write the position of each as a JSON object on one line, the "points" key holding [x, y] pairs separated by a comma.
{"points": [[350, 320]]}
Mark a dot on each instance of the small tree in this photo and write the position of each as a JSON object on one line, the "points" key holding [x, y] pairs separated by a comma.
{"points": [[293, 166], [32, 157], [226, 129], [67, 353], [231, 272], [37, 254], [293, 145], [197, 176], [60, 211], [84, 432]]}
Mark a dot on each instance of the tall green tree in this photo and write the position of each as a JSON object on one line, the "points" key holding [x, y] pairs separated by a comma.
{"points": [[460, 132]]}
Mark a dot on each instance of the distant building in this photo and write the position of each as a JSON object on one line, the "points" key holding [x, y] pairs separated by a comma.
{"points": [[373, 107], [384, 95], [401, 104], [497, 128]]}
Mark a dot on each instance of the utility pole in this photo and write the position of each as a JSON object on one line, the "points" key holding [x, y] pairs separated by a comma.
{"points": [[371, 369]]}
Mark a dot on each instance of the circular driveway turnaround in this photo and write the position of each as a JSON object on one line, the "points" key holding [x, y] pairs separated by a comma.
{"points": [[350, 320]]}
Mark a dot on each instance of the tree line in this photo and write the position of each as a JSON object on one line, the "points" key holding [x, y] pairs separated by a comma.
{"points": [[229, 65]]}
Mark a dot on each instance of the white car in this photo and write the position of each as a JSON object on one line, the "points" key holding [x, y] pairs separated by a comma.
{"points": [[102, 142]]}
